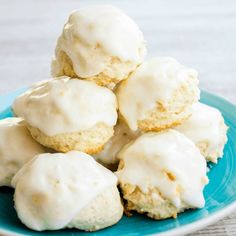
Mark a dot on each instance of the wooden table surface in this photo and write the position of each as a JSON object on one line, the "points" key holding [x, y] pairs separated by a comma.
{"points": [[199, 33]]}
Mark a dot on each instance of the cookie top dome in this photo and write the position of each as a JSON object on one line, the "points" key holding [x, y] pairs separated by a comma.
{"points": [[66, 105]]}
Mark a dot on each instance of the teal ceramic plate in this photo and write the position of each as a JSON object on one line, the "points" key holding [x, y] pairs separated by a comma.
{"points": [[220, 194]]}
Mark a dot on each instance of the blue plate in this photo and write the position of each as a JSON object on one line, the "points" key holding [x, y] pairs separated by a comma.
{"points": [[220, 193]]}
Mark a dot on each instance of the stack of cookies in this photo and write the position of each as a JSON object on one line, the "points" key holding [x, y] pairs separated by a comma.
{"points": [[108, 117]]}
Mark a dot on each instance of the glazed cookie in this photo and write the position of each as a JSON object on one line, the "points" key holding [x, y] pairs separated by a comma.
{"points": [[99, 43], [55, 191], [162, 174], [206, 128], [158, 95], [69, 114], [16, 148], [122, 135]]}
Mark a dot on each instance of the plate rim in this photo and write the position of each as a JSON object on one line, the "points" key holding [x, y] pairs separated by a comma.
{"points": [[186, 229], [182, 230], [200, 224]]}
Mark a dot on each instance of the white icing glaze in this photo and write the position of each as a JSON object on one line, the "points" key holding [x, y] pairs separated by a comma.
{"points": [[122, 135], [154, 81], [149, 158], [206, 125], [66, 105], [16, 148], [95, 34], [53, 188]]}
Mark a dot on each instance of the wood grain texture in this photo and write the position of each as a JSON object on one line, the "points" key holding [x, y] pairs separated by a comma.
{"points": [[199, 33]]}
